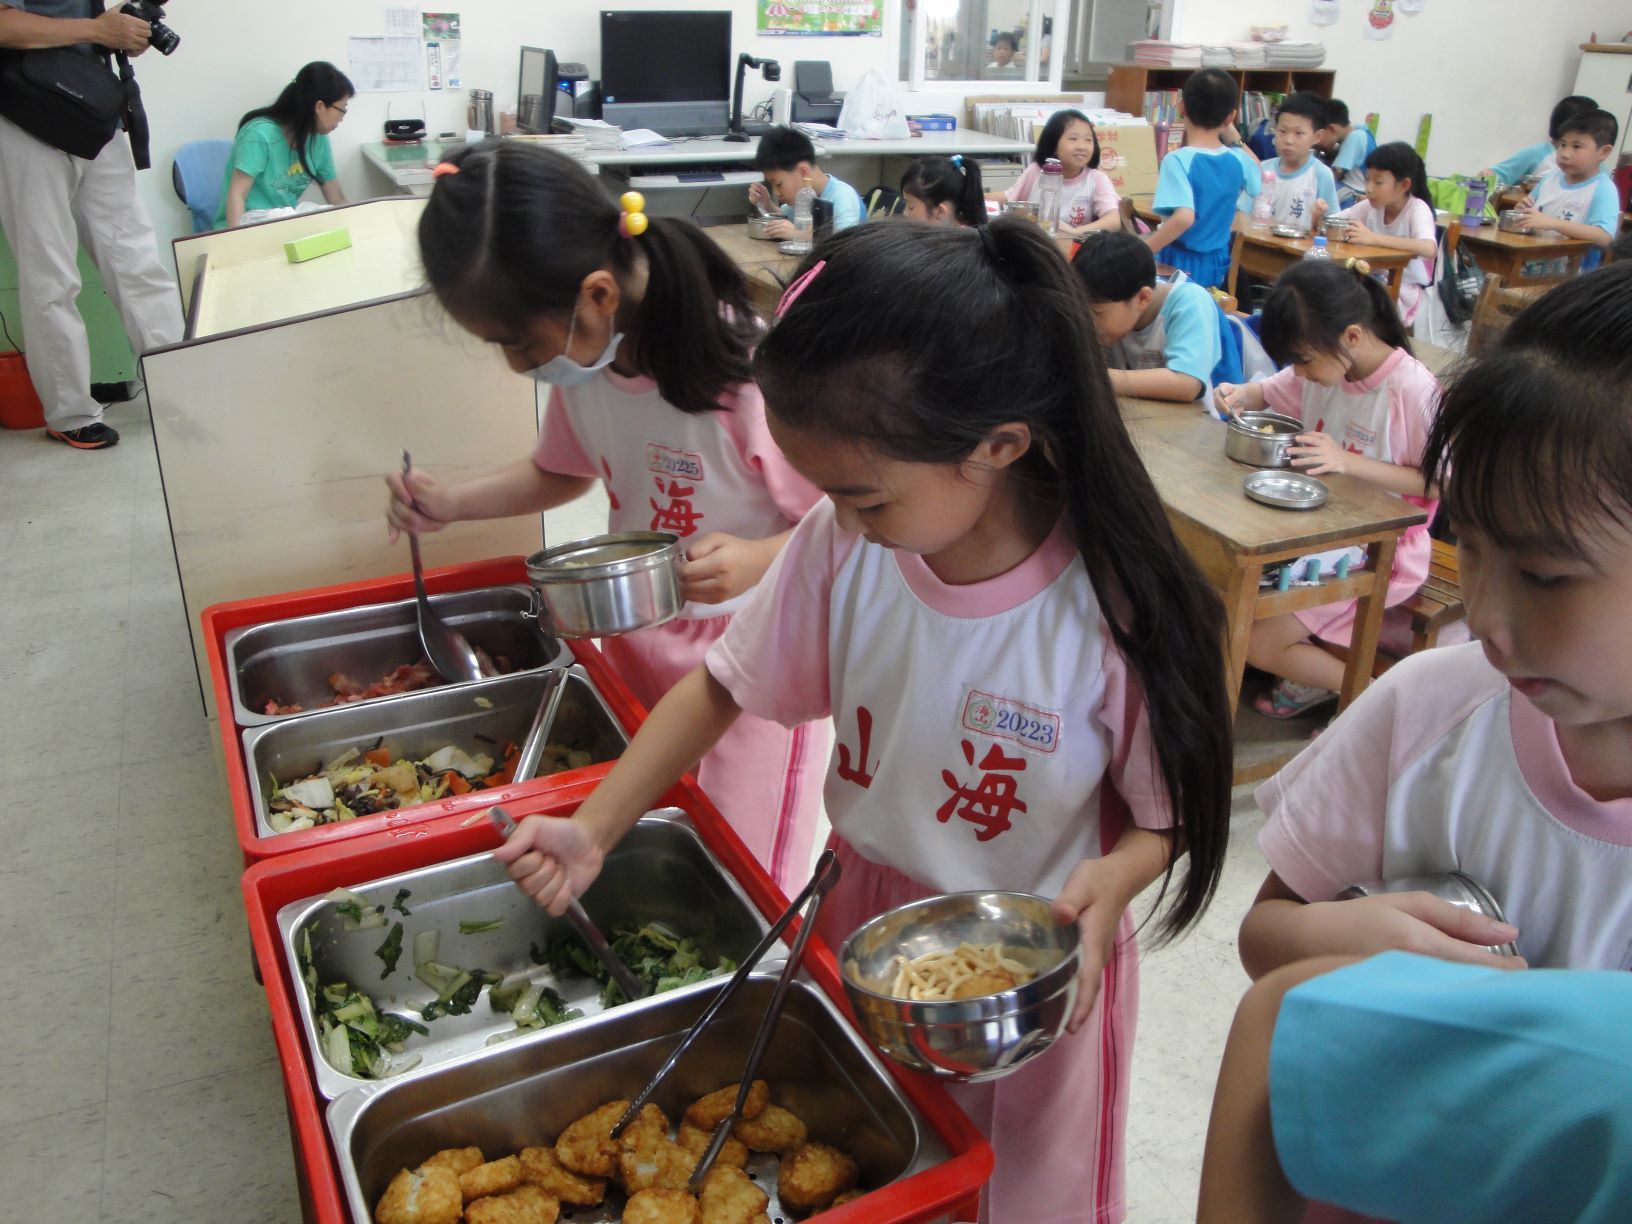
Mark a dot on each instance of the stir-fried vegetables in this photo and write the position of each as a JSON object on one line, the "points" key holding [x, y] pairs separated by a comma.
{"points": [[356, 1037], [532, 1005], [363, 783], [654, 954]]}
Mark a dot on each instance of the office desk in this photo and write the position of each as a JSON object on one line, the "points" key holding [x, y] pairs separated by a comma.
{"points": [[1232, 538], [1268, 255], [407, 168], [1496, 250]]}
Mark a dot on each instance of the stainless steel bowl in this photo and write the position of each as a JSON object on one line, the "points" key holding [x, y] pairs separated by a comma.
{"points": [[1246, 443], [607, 584], [1511, 220], [982, 1038], [1021, 208], [1450, 886], [1289, 231], [1337, 231], [756, 226]]}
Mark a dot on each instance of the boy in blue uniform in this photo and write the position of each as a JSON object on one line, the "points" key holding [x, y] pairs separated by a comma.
{"points": [[1198, 185], [788, 160], [1538, 159], [1305, 192], [1351, 144], [1579, 199]]}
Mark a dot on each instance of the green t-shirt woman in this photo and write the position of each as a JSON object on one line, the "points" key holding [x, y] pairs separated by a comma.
{"points": [[281, 149]]}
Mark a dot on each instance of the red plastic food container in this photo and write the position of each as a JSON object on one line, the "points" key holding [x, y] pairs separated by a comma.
{"points": [[219, 619], [950, 1188]]}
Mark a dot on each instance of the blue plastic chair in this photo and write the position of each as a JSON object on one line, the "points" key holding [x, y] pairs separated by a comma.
{"points": [[197, 173]]}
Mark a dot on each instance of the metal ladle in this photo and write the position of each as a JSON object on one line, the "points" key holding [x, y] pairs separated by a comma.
{"points": [[452, 656]]}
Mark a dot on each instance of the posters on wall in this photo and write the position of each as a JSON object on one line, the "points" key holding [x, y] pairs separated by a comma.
{"points": [[417, 50], [822, 18], [1380, 20], [442, 49], [385, 65]]}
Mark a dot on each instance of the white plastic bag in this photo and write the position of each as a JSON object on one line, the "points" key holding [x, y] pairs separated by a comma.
{"points": [[871, 110]]}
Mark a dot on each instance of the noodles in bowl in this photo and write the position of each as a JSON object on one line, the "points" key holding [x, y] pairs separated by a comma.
{"points": [[966, 972]]}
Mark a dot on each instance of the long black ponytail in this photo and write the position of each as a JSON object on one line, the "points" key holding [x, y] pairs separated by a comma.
{"points": [[1401, 160], [920, 341], [1315, 300], [296, 108], [512, 235]]}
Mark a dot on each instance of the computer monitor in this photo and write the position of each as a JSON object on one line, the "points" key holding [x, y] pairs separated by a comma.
{"points": [[668, 71], [535, 90]]}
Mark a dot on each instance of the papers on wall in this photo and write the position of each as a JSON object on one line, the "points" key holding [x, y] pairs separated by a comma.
{"points": [[402, 21], [385, 64], [441, 30]]}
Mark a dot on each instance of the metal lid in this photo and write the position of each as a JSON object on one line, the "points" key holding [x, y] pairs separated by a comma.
{"points": [[1285, 490]]}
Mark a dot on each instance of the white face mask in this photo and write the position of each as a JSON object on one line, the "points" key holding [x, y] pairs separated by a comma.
{"points": [[563, 371]]}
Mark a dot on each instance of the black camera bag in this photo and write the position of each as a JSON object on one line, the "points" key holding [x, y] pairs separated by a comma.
{"points": [[69, 100]]}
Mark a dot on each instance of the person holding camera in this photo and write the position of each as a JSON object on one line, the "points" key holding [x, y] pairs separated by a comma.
{"points": [[280, 150], [68, 175]]}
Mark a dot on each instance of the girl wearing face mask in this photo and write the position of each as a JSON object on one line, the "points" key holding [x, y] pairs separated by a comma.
{"points": [[1367, 405], [645, 331]]}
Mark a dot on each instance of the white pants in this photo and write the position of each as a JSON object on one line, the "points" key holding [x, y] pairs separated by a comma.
{"points": [[50, 203]]}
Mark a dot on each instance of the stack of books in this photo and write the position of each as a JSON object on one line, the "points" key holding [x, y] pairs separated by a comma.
{"points": [[596, 134], [1295, 54], [1160, 53]]}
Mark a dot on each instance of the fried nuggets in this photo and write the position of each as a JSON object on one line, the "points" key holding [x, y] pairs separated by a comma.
{"points": [[494, 1177], [540, 1168], [662, 1207], [523, 1205], [586, 1147], [774, 1130], [423, 1196], [811, 1177], [653, 1162], [460, 1160], [696, 1140], [709, 1111], [730, 1197]]}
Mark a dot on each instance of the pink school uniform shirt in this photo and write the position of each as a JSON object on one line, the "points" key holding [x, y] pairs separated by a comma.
{"points": [[1416, 220], [1083, 199], [1384, 417]]}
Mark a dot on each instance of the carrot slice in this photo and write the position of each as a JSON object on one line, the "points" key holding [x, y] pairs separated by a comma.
{"points": [[379, 756], [456, 783]]}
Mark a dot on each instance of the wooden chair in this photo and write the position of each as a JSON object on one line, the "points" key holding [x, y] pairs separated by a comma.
{"points": [[1497, 307]]}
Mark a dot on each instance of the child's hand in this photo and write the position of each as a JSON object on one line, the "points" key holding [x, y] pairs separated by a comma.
{"points": [[1224, 396], [1318, 454], [780, 228], [1359, 231], [1097, 908], [553, 859], [1317, 214], [759, 194], [434, 509], [1411, 922], [719, 567]]}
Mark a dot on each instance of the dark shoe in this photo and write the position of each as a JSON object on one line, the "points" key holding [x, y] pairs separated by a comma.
{"points": [[96, 436], [114, 392]]}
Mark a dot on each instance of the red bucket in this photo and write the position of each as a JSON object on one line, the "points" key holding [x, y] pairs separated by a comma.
{"points": [[20, 406]]}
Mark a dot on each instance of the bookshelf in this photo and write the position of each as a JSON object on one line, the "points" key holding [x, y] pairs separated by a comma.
{"points": [[1127, 84]]}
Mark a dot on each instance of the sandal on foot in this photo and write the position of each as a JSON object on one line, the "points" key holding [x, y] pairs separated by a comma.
{"points": [[1290, 699]]}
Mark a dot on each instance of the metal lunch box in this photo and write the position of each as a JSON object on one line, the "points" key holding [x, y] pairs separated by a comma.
{"points": [[525, 1093], [290, 661], [1024, 209], [661, 872], [416, 724], [1511, 220], [1450, 886], [1265, 448], [607, 584], [1337, 231], [756, 226]]}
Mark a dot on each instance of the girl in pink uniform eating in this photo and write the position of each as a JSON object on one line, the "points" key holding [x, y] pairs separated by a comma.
{"points": [[646, 332], [1368, 405], [1023, 665]]}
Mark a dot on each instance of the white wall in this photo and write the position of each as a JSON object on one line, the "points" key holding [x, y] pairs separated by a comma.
{"points": [[1488, 70], [234, 57]]}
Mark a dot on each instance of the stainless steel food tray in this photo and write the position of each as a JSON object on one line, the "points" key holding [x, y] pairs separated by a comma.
{"points": [[513, 1096], [660, 872], [414, 725], [290, 661]]}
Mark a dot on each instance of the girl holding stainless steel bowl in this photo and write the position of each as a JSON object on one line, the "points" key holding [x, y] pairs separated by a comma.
{"points": [[1022, 662], [644, 330]]}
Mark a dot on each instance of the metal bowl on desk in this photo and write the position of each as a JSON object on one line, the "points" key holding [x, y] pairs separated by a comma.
{"points": [[968, 1040], [1023, 209], [1450, 886], [1512, 220], [1337, 231], [756, 226], [1261, 439], [607, 584]]}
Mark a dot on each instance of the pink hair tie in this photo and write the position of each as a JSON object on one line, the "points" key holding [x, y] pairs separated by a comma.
{"points": [[798, 287], [441, 168]]}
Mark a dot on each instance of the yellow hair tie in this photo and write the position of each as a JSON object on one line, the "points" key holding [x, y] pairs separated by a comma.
{"points": [[1357, 265], [632, 221]]}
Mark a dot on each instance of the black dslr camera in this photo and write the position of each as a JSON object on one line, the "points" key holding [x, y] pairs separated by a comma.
{"points": [[164, 40]]}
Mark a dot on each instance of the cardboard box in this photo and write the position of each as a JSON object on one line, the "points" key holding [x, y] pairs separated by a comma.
{"points": [[1127, 155], [934, 122]]}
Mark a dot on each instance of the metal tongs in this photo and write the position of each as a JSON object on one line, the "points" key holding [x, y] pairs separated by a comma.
{"points": [[633, 988], [823, 878]]}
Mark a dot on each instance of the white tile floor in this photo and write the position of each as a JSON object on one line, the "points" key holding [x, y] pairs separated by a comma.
{"points": [[136, 1066]]}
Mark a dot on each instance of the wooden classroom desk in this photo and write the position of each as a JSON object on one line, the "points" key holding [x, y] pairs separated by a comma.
{"points": [[1505, 254], [1232, 538], [1268, 255]]}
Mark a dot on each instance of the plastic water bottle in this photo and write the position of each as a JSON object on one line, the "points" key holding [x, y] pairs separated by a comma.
{"points": [[1263, 208], [1318, 251], [804, 220], [1048, 211]]}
